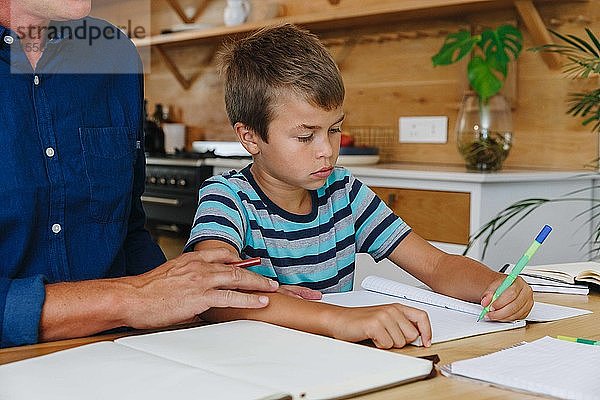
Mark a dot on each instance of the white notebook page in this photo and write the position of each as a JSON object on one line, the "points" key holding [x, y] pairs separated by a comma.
{"points": [[446, 324], [307, 366], [541, 312], [547, 366]]}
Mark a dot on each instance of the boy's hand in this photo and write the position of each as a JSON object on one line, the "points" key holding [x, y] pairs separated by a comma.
{"points": [[300, 292], [514, 303], [389, 325]]}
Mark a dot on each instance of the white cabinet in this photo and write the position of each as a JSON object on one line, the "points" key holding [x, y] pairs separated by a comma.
{"points": [[487, 194]]}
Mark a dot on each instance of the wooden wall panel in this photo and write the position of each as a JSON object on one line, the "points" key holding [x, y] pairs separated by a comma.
{"points": [[388, 74]]}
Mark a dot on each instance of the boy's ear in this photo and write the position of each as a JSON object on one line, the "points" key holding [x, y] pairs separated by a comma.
{"points": [[247, 137]]}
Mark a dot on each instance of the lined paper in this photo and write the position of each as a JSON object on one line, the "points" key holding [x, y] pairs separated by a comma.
{"points": [[547, 366], [541, 312]]}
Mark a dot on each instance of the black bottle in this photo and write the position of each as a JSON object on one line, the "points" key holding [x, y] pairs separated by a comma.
{"points": [[154, 137]]}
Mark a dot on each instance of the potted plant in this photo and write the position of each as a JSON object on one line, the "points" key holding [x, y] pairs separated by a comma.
{"points": [[583, 55], [484, 124]]}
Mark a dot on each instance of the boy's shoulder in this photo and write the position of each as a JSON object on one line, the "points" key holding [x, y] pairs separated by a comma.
{"points": [[233, 179]]}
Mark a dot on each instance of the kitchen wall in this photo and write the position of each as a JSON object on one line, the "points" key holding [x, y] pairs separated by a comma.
{"points": [[388, 74]]}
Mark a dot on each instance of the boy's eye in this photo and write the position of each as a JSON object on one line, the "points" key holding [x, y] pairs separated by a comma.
{"points": [[305, 138], [335, 130]]}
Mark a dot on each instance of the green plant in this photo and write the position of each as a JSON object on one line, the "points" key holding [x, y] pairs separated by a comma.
{"points": [[491, 51], [483, 130], [583, 62]]}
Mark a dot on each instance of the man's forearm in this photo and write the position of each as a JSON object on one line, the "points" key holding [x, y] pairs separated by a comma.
{"points": [[75, 309]]}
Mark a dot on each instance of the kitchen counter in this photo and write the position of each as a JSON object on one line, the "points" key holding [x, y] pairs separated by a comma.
{"points": [[432, 172]]}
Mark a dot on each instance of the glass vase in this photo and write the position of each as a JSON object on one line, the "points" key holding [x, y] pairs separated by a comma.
{"points": [[484, 131]]}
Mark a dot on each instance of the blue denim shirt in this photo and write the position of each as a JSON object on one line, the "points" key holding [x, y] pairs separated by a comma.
{"points": [[71, 172]]}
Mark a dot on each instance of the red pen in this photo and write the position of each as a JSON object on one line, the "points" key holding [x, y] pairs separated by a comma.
{"points": [[250, 262]]}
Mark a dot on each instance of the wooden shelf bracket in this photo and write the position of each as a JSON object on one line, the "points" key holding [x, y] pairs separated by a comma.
{"points": [[186, 83], [182, 14], [538, 31]]}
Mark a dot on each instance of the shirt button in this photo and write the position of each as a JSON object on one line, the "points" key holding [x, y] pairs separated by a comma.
{"points": [[36, 80], [56, 228], [9, 39], [50, 152]]}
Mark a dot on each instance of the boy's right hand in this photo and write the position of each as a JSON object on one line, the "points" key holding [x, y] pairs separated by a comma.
{"points": [[389, 325]]}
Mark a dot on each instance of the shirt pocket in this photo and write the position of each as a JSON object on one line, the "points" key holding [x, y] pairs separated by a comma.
{"points": [[109, 156]]}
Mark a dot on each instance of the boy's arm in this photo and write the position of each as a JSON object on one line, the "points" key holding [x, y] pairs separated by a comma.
{"points": [[390, 325], [462, 277]]}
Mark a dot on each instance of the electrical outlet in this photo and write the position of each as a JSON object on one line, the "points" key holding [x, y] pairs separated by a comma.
{"points": [[423, 129]]}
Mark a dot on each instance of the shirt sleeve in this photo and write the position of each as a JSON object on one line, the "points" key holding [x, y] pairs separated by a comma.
{"points": [[21, 302], [141, 251], [378, 229], [219, 215]]}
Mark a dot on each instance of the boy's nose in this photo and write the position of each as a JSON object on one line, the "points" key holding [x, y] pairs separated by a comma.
{"points": [[325, 149]]}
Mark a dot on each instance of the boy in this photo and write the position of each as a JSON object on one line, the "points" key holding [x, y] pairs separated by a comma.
{"points": [[307, 218]]}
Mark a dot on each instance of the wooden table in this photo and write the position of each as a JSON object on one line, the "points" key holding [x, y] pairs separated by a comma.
{"points": [[439, 387]]}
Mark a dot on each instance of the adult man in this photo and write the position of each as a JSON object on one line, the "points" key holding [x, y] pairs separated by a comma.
{"points": [[72, 172]]}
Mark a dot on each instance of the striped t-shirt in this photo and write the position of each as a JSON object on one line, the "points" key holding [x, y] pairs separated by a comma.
{"points": [[316, 250]]}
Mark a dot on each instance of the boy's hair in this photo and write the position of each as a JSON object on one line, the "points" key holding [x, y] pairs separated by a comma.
{"points": [[261, 66]]}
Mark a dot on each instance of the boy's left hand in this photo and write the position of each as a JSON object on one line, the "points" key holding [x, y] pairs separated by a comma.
{"points": [[515, 303], [300, 292]]}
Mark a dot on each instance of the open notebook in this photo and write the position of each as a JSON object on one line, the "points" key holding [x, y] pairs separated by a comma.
{"points": [[450, 318], [547, 366], [544, 284], [233, 360], [578, 272]]}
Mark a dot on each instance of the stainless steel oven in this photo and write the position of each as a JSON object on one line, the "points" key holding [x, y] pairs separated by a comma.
{"points": [[171, 194]]}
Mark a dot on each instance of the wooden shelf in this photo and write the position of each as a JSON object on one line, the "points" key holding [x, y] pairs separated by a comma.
{"points": [[335, 19], [369, 16]]}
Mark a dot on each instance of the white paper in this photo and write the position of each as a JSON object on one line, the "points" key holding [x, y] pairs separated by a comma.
{"points": [[541, 312], [547, 366], [446, 324], [106, 370], [305, 365], [568, 272]]}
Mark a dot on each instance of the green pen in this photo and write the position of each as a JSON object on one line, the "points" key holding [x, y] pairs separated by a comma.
{"points": [[579, 340], [518, 268]]}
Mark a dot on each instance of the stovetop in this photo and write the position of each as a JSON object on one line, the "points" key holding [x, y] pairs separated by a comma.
{"points": [[185, 158]]}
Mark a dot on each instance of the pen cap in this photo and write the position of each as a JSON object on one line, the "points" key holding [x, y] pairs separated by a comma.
{"points": [[543, 234]]}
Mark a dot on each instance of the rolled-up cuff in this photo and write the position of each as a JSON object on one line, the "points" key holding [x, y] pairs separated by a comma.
{"points": [[22, 311]]}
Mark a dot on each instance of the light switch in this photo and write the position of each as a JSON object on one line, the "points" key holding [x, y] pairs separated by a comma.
{"points": [[432, 129]]}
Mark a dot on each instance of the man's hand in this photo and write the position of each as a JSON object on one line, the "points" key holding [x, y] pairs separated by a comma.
{"points": [[390, 325], [514, 303], [188, 285]]}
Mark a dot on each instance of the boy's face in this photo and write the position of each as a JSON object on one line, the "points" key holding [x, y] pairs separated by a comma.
{"points": [[304, 143]]}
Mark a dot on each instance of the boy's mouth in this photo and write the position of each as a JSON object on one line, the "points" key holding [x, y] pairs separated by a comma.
{"points": [[323, 172]]}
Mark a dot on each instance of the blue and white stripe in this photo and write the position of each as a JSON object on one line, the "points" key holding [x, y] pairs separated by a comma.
{"points": [[316, 250]]}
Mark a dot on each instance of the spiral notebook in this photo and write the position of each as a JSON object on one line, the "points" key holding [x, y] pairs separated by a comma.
{"points": [[450, 318], [547, 366]]}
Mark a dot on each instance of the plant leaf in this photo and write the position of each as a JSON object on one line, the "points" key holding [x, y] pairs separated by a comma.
{"points": [[593, 38], [483, 79], [455, 47], [503, 44]]}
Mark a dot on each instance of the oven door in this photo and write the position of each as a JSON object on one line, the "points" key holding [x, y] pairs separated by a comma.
{"points": [[169, 209]]}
